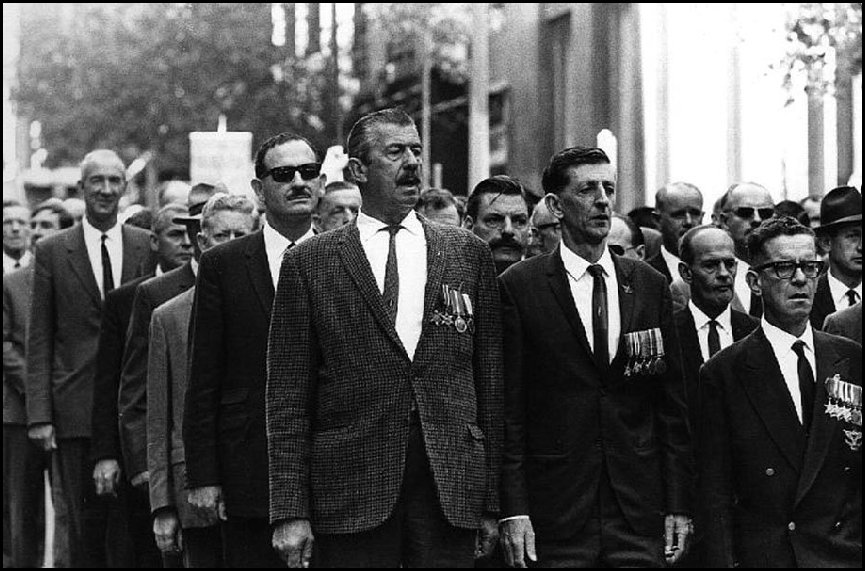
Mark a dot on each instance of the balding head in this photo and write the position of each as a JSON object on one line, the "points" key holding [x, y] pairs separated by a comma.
{"points": [[680, 207], [748, 205]]}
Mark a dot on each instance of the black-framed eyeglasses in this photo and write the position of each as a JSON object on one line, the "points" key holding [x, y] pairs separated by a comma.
{"points": [[785, 270], [308, 171], [747, 212]]}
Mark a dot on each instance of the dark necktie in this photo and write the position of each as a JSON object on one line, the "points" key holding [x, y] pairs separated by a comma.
{"points": [[18, 265], [851, 297], [806, 384], [391, 275], [756, 309], [714, 339], [107, 274], [600, 321]]}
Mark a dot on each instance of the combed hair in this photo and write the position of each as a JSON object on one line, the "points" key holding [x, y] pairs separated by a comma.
{"points": [[275, 141], [435, 199], [686, 250], [231, 202], [637, 238], [338, 185], [556, 176], [498, 185], [770, 229], [661, 195], [360, 138], [165, 216], [55, 206], [101, 155]]}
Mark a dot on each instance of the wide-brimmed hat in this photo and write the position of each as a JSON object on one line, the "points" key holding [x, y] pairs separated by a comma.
{"points": [[198, 197], [841, 205]]}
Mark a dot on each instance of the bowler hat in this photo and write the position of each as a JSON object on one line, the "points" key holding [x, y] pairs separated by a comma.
{"points": [[841, 205]]}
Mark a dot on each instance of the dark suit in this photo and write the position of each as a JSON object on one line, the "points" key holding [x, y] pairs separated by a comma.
{"points": [[132, 398], [571, 427], [166, 391], [775, 497], [341, 385], [660, 264], [846, 323], [823, 304], [23, 463], [692, 356], [61, 366], [223, 425]]}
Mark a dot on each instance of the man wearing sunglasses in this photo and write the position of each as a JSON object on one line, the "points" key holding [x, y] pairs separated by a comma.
{"points": [[748, 204], [780, 457], [384, 398], [840, 234], [224, 418]]}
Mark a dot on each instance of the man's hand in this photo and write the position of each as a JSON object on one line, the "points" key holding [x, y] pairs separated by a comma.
{"points": [[677, 532], [42, 436], [208, 500], [106, 476], [488, 535], [518, 541], [293, 540], [166, 529], [140, 480]]}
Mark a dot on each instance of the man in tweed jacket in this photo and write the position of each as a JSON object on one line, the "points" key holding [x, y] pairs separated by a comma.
{"points": [[384, 407]]}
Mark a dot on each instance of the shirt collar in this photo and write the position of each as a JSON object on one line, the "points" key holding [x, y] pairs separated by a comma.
{"points": [[672, 261], [274, 242], [24, 260], [94, 234], [577, 266], [782, 341], [368, 226], [838, 290], [701, 320]]}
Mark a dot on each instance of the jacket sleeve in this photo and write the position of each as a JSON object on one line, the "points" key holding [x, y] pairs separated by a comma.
{"points": [[14, 365], [40, 339], [132, 397], [292, 363], [159, 416], [105, 442], [487, 368], [207, 366]]}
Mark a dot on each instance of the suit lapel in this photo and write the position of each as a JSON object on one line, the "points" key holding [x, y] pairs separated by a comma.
{"points": [[742, 324], [823, 304], [688, 338], [771, 399], [558, 282], [79, 261], [259, 271], [358, 268], [822, 425], [435, 269]]}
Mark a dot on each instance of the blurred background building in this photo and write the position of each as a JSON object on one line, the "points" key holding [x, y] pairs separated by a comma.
{"points": [[708, 93]]}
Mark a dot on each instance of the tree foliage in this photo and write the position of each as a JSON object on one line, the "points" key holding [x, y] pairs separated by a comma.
{"points": [[140, 77]]}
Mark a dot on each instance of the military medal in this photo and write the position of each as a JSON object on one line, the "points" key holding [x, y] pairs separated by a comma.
{"points": [[459, 322]]}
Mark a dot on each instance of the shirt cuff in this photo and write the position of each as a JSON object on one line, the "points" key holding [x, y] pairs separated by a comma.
{"points": [[504, 519]]}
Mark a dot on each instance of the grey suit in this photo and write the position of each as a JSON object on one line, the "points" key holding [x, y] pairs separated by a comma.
{"points": [[846, 322], [61, 365]]}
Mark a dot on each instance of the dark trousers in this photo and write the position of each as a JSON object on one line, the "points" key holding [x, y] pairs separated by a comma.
{"points": [[136, 510], [202, 547], [417, 533], [23, 497], [248, 542], [607, 540], [98, 533]]}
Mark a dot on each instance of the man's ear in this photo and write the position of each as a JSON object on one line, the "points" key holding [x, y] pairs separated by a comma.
{"points": [[357, 169], [202, 243], [641, 251], [685, 272], [753, 279], [468, 223], [154, 242], [257, 188], [554, 205]]}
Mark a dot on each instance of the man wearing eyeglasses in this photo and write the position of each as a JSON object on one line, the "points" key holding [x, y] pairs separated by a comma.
{"points": [[498, 214], [840, 234], [781, 457], [748, 204], [545, 231], [680, 208], [224, 436]]}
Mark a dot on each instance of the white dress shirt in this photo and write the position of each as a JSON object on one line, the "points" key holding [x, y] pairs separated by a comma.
{"points": [[839, 292], [782, 347], [275, 247], [411, 263], [672, 262], [114, 244], [582, 283], [725, 328], [9, 262], [740, 285]]}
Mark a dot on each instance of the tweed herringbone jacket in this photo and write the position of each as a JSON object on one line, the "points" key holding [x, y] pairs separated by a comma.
{"points": [[340, 386]]}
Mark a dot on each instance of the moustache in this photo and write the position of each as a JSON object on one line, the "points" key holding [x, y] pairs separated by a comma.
{"points": [[506, 242]]}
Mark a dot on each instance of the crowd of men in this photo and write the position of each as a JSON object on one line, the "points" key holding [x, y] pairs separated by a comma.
{"points": [[362, 374]]}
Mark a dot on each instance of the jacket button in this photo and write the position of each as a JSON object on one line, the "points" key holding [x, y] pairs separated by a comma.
{"points": [[846, 468], [791, 526], [837, 525], [770, 471]]}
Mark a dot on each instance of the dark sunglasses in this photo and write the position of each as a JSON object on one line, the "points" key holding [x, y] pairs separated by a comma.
{"points": [[308, 171], [785, 270], [747, 212]]}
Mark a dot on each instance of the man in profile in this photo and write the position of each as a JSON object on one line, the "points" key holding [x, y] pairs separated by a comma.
{"points": [[626, 238]]}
